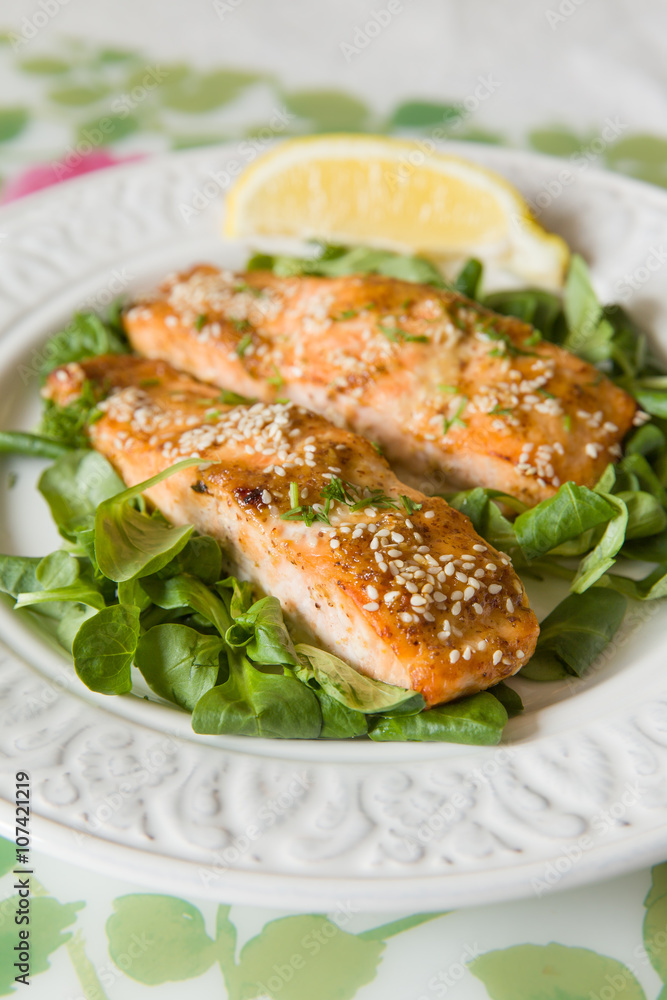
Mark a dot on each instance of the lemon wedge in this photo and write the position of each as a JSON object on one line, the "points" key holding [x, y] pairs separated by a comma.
{"points": [[390, 193]]}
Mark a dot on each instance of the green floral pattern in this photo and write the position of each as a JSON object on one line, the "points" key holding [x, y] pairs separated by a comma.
{"points": [[153, 940], [123, 99]]}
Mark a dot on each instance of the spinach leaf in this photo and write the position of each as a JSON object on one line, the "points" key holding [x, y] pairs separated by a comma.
{"points": [[58, 569], [355, 690], [508, 698], [338, 721], [241, 594], [263, 632], [602, 558], [480, 505], [70, 621], [74, 486], [479, 719], [87, 336], [104, 647], [541, 310], [68, 425], [646, 515], [201, 557], [334, 261], [648, 441], [469, 279], [563, 517], [18, 574], [650, 588], [252, 703], [640, 475], [574, 634], [178, 663], [131, 544], [187, 591]]}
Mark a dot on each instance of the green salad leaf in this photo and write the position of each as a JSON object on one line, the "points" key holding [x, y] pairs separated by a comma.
{"points": [[602, 558], [572, 511], [263, 633], [104, 647], [187, 591], [254, 703], [131, 544], [334, 261], [74, 486], [355, 690], [479, 719], [86, 336], [574, 634], [178, 663]]}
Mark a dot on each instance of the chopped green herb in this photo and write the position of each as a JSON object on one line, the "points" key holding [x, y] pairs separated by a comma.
{"points": [[212, 414], [533, 339], [243, 344], [377, 447], [456, 420], [410, 505], [200, 322], [567, 422], [276, 379], [242, 325], [294, 495], [282, 399], [345, 314], [377, 499], [543, 392], [508, 345], [500, 411], [146, 383], [398, 336], [252, 289], [447, 388], [233, 398]]}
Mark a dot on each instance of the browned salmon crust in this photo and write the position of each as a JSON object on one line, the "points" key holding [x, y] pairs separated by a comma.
{"points": [[456, 394], [418, 600]]}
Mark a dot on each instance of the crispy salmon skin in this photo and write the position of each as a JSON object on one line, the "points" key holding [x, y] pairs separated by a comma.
{"points": [[451, 391], [403, 589]]}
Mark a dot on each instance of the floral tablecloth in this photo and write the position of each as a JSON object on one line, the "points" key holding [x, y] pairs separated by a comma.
{"points": [[84, 86]]}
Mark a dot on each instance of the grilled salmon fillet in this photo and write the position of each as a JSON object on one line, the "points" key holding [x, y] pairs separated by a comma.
{"points": [[451, 391], [413, 597]]}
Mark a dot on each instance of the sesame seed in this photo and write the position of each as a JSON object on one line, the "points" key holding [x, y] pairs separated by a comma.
{"points": [[520, 654], [509, 605], [456, 608], [450, 569], [375, 544], [443, 636], [429, 514], [457, 595], [417, 601], [497, 657], [477, 608], [482, 644], [334, 543], [372, 593], [467, 653], [405, 617], [397, 537], [279, 471], [383, 566], [439, 597], [391, 596], [491, 567], [479, 548], [412, 587], [373, 606], [266, 497], [454, 656], [468, 593], [394, 553], [461, 577]]}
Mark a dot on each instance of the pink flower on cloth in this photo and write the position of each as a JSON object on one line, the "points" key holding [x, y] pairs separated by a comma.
{"points": [[45, 174]]}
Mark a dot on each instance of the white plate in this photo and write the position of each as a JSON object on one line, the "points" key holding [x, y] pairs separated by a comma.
{"points": [[577, 792]]}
